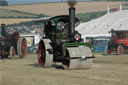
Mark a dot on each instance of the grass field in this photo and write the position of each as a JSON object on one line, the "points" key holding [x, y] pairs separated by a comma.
{"points": [[15, 14], [106, 70], [52, 9], [12, 21]]}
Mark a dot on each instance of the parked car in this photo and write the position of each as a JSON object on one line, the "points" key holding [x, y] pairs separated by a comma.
{"points": [[99, 43], [33, 49]]}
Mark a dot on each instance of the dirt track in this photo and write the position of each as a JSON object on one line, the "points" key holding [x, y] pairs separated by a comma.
{"points": [[106, 70]]}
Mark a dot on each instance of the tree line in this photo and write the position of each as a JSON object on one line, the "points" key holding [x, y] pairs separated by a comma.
{"points": [[3, 3]]}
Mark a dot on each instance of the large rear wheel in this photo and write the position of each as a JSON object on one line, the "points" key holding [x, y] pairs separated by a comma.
{"points": [[45, 59], [120, 50], [22, 47]]}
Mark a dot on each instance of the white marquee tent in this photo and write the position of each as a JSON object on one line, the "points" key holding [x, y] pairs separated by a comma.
{"points": [[101, 26]]}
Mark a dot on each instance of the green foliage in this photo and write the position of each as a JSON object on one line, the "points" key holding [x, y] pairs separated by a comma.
{"points": [[18, 14], [88, 16], [41, 15], [28, 23]]}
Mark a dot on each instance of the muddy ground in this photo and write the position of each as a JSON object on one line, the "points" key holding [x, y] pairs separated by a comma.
{"points": [[106, 70]]}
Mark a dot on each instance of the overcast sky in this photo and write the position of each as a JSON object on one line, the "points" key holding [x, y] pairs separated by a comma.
{"points": [[35, 1]]}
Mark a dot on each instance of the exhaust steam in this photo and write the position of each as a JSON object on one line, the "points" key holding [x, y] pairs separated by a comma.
{"points": [[71, 3]]}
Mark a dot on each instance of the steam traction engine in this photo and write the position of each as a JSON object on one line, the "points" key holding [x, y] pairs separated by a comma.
{"points": [[118, 43], [63, 44], [11, 44]]}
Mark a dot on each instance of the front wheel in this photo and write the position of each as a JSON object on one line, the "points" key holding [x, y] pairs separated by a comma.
{"points": [[78, 58]]}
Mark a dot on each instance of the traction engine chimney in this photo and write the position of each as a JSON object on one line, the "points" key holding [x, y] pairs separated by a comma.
{"points": [[71, 4]]}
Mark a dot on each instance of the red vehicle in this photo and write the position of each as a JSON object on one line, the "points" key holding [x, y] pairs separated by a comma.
{"points": [[118, 43], [11, 45]]}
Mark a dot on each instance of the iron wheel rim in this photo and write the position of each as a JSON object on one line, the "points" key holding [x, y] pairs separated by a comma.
{"points": [[41, 54], [24, 48]]}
